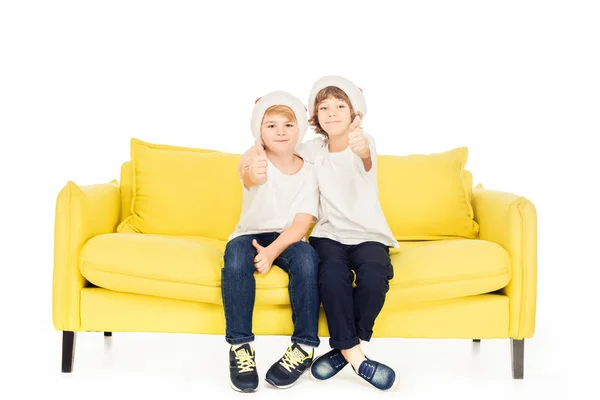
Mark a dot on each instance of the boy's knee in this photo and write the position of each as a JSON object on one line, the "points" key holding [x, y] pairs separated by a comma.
{"points": [[334, 274], [375, 284], [304, 251], [239, 255], [375, 278], [305, 259], [241, 244]]}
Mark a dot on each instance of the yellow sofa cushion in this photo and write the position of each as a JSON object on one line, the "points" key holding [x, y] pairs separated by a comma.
{"points": [[446, 269], [185, 268], [183, 191], [189, 268], [427, 196]]}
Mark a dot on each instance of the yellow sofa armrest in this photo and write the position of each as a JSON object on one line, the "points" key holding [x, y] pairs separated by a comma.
{"points": [[81, 213], [511, 221]]}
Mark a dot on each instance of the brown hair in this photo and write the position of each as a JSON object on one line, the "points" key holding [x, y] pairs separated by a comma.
{"points": [[281, 110], [329, 91]]}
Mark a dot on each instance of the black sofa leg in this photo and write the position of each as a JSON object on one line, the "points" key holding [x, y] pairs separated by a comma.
{"points": [[68, 351], [517, 352], [107, 333]]}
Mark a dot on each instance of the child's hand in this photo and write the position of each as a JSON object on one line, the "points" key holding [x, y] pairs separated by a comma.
{"points": [[245, 161], [258, 165], [263, 260], [357, 141]]}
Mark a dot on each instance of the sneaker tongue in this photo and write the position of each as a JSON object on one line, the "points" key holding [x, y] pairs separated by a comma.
{"points": [[367, 369], [245, 347], [299, 353]]}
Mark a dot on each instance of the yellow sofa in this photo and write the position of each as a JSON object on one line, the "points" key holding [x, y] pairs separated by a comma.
{"points": [[145, 254]]}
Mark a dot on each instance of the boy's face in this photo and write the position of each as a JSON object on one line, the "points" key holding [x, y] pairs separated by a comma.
{"points": [[279, 133], [334, 116]]}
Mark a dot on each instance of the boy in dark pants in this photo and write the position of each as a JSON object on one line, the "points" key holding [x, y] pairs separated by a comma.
{"points": [[352, 235]]}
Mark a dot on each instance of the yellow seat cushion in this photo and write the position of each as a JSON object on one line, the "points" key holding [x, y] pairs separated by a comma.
{"points": [[184, 268], [182, 191], [189, 268], [427, 196], [446, 269]]}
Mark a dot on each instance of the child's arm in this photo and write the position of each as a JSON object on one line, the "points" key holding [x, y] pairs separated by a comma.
{"points": [[267, 255], [306, 213], [367, 162], [359, 144], [255, 173], [308, 150], [293, 234], [245, 160]]}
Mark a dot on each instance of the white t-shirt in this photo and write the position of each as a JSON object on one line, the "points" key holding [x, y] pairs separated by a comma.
{"points": [[349, 207], [272, 206]]}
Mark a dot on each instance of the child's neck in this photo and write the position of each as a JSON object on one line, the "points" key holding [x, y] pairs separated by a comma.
{"points": [[338, 143], [286, 163]]}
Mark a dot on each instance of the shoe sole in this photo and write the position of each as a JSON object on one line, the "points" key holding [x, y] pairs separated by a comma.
{"points": [[278, 386], [248, 390], [290, 385]]}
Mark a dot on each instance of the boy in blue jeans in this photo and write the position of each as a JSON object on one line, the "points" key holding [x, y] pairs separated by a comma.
{"points": [[276, 215]]}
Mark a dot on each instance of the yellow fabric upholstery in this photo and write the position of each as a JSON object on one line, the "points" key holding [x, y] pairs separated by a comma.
{"points": [[190, 269], [484, 316], [183, 191], [511, 221], [447, 269], [424, 196], [187, 191], [144, 255], [81, 214], [126, 189]]}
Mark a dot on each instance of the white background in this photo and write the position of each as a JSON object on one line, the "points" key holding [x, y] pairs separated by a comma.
{"points": [[517, 82]]}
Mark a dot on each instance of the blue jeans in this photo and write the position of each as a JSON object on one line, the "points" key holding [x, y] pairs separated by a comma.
{"points": [[238, 287]]}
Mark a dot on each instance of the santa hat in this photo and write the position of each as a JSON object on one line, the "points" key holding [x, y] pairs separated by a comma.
{"points": [[278, 98], [359, 103]]}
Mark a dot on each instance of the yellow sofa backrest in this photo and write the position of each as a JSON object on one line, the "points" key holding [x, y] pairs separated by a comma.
{"points": [[412, 222]]}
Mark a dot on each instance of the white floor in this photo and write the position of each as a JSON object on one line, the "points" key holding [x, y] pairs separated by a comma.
{"points": [[160, 366]]}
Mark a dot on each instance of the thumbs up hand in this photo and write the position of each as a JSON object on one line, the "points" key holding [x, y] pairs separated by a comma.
{"points": [[263, 260], [258, 165], [357, 141]]}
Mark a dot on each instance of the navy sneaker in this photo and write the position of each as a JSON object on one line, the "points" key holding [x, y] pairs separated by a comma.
{"points": [[377, 374], [285, 372], [328, 365], [242, 369]]}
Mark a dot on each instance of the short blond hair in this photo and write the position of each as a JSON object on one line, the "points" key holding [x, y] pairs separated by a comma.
{"points": [[281, 110]]}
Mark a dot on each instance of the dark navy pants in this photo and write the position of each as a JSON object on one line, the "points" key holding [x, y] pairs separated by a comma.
{"points": [[351, 312]]}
